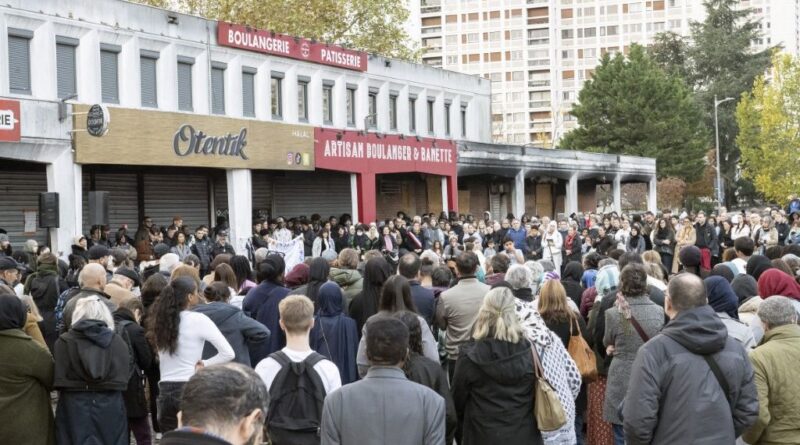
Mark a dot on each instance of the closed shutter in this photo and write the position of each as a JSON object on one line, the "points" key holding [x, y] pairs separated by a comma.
{"points": [[19, 64], [109, 76], [147, 65], [169, 194], [306, 193], [221, 196], [495, 206], [218, 90], [185, 86], [262, 193], [20, 190], [421, 197], [123, 200], [248, 94], [65, 68]]}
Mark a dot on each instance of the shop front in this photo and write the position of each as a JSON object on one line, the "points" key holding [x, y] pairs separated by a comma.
{"points": [[201, 168], [390, 172]]}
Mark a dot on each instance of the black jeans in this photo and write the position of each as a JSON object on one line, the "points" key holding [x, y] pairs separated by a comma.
{"points": [[169, 398]]}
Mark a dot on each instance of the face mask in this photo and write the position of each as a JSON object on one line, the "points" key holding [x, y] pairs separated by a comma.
{"points": [[359, 233]]}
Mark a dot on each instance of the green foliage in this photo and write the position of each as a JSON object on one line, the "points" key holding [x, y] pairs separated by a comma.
{"points": [[370, 25], [633, 107], [769, 135]]}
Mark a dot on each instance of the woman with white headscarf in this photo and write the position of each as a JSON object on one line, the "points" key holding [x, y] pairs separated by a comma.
{"points": [[551, 245]]}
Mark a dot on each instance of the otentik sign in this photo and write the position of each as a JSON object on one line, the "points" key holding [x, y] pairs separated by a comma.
{"points": [[355, 152], [9, 121], [267, 42]]}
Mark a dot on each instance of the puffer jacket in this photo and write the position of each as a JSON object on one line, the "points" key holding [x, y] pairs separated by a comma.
{"points": [[775, 364], [670, 374], [242, 332], [350, 281], [202, 248]]}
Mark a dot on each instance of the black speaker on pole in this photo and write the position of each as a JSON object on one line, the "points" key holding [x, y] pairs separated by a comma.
{"points": [[48, 209], [98, 208]]}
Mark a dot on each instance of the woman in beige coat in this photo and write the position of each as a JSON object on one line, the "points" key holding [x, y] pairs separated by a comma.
{"points": [[685, 237]]}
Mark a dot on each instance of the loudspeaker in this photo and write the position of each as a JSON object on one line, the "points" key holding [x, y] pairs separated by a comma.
{"points": [[98, 208], [48, 209]]}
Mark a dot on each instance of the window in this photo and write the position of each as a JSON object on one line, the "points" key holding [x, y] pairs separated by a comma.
{"points": [[218, 87], [302, 98], [516, 55], [65, 66], [393, 111], [350, 98], [430, 115], [412, 113], [19, 60], [109, 73], [566, 53], [327, 102], [473, 37], [588, 32], [451, 60], [567, 34], [276, 94], [372, 111], [611, 9], [515, 34], [494, 36], [447, 118], [147, 66], [185, 65], [451, 40], [248, 91], [463, 121]]}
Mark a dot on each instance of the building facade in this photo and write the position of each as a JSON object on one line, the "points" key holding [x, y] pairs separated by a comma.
{"points": [[538, 53]]}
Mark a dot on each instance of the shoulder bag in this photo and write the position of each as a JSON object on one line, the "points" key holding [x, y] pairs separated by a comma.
{"points": [[581, 353], [547, 408]]}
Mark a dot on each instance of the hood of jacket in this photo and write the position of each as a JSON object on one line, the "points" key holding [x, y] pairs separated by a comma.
{"points": [[345, 277], [573, 272], [217, 311], [95, 331], [699, 330], [330, 300], [750, 305], [504, 362]]}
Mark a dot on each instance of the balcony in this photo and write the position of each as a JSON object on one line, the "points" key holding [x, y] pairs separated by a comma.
{"points": [[539, 104], [538, 83], [430, 6]]}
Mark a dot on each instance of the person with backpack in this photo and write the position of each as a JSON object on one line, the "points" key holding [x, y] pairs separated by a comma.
{"points": [[298, 379], [45, 286]]}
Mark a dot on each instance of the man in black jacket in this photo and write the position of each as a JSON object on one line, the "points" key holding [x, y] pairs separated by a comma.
{"points": [[706, 240], [127, 318], [691, 363]]}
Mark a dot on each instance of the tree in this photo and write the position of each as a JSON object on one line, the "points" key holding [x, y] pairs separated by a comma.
{"points": [[718, 59], [671, 192], [633, 107], [369, 25], [769, 130]]}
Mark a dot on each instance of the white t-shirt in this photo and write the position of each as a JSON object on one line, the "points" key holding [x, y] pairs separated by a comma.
{"points": [[194, 331], [268, 368], [740, 264]]}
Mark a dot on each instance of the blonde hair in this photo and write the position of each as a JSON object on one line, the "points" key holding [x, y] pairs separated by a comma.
{"points": [[28, 300], [497, 317], [185, 271], [651, 256], [297, 313], [553, 301], [91, 308]]}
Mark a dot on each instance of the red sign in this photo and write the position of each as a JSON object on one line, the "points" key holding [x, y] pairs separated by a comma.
{"points": [[355, 152], [267, 42], [9, 120]]}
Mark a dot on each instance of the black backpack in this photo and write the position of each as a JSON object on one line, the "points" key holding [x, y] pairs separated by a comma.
{"points": [[296, 398]]}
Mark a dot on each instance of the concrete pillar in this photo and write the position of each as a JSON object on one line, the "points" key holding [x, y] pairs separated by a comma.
{"points": [[445, 195], [616, 191], [240, 208], [354, 197], [518, 194], [64, 177], [571, 201], [652, 196]]}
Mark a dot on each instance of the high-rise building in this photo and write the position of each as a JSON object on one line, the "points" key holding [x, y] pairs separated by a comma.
{"points": [[538, 53]]}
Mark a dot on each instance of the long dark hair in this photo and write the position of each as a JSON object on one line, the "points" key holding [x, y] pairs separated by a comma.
{"points": [[411, 320], [376, 272], [165, 314], [319, 269], [396, 295], [241, 268]]}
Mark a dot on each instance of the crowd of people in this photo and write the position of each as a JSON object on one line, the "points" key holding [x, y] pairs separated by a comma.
{"points": [[587, 329]]}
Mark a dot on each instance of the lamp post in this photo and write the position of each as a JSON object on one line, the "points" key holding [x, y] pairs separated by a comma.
{"points": [[717, 103]]}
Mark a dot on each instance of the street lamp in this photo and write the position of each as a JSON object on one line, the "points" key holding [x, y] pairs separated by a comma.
{"points": [[717, 103]]}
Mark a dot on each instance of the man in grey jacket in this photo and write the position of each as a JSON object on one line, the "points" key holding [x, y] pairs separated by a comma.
{"points": [[384, 407], [674, 395]]}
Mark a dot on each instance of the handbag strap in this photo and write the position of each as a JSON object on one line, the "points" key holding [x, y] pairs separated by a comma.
{"points": [[639, 329], [537, 365], [720, 378]]}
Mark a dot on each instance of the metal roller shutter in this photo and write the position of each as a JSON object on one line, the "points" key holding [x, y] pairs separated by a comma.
{"points": [[20, 191], [65, 69], [19, 62], [169, 194], [109, 76], [221, 195], [123, 207], [262, 193], [306, 193]]}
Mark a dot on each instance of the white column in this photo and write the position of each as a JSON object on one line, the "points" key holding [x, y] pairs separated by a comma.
{"points": [[616, 191], [652, 196], [240, 208], [354, 197], [445, 195], [64, 177], [518, 194], [571, 201]]}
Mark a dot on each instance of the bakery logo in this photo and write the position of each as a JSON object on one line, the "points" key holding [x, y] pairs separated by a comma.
{"points": [[305, 49]]}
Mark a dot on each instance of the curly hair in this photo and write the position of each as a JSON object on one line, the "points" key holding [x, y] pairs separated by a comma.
{"points": [[165, 314]]}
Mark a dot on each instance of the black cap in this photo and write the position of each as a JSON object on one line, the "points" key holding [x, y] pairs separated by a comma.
{"points": [[98, 251], [222, 233], [128, 273], [8, 263], [160, 250]]}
